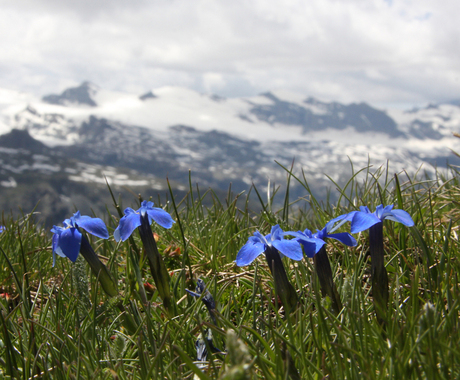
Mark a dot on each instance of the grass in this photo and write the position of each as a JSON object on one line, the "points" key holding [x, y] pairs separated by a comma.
{"points": [[56, 323]]}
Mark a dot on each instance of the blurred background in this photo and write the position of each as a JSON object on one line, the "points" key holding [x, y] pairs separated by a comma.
{"points": [[140, 91]]}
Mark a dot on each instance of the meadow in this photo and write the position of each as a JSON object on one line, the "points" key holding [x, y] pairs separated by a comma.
{"points": [[65, 322]]}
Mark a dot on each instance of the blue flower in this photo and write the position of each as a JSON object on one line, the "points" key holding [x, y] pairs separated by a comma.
{"points": [[258, 243], [364, 219], [313, 242], [67, 239], [132, 220], [2, 229]]}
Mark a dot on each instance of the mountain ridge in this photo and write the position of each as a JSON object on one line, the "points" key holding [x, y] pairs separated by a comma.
{"points": [[172, 131]]}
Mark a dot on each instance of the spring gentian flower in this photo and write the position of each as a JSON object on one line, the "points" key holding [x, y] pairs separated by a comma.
{"points": [[363, 220], [2, 229], [67, 239], [132, 220], [314, 246], [258, 243], [273, 245], [313, 242], [207, 298], [141, 219]]}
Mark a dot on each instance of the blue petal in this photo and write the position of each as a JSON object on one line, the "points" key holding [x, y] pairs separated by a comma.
{"points": [[388, 208], [379, 212], [147, 205], [116, 234], [297, 234], [310, 244], [55, 242], [401, 216], [362, 221], [344, 238], [56, 248], [69, 243], [322, 234], [382, 212], [342, 219], [192, 293], [57, 230], [71, 222], [127, 225], [307, 233], [129, 210], [309, 248], [276, 233], [160, 216], [289, 248], [318, 244], [365, 209], [248, 253], [94, 226], [258, 238]]}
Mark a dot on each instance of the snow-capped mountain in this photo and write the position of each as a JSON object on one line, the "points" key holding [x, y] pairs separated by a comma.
{"points": [[165, 132]]}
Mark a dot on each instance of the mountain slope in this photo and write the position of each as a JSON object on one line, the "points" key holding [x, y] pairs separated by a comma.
{"points": [[86, 132]]}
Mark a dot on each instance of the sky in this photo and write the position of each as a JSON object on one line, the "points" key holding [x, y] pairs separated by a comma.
{"points": [[389, 53]]}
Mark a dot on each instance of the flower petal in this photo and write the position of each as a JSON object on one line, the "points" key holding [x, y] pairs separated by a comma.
{"points": [[311, 247], [276, 233], [318, 244], [401, 216], [362, 221], [192, 293], [259, 238], [94, 226], [342, 219], [289, 248], [127, 225], [310, 244], [298, 234], [344, 238], [69, 243], [160, 216], [248, 253], [56, 249], [129, 210], [147, 204], [365, 209]]}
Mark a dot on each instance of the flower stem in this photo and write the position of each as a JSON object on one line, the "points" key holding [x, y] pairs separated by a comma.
{"points": [[379, 273], [157, 266], [324, 273], [283, 287], [98, 268], [106, 281]]}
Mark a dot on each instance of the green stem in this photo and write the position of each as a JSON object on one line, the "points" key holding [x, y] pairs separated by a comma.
{"points": [[283, 287], [324, 273], [157, 266], [379, 273], [106, 281], [98, 268]]}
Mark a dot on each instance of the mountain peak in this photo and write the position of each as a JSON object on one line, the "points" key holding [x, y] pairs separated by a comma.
{"points": [[148, 95], [21, 139], [82, 95]]}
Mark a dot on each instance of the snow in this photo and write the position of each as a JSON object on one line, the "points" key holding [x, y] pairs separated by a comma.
{"points": [[10, 183], [181, 106]]}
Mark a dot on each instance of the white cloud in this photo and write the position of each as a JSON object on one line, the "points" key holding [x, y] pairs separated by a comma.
{"points": [[349, 50]]}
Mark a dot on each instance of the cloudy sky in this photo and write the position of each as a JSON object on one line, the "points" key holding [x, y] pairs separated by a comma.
{"points": [[385, 52]]}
